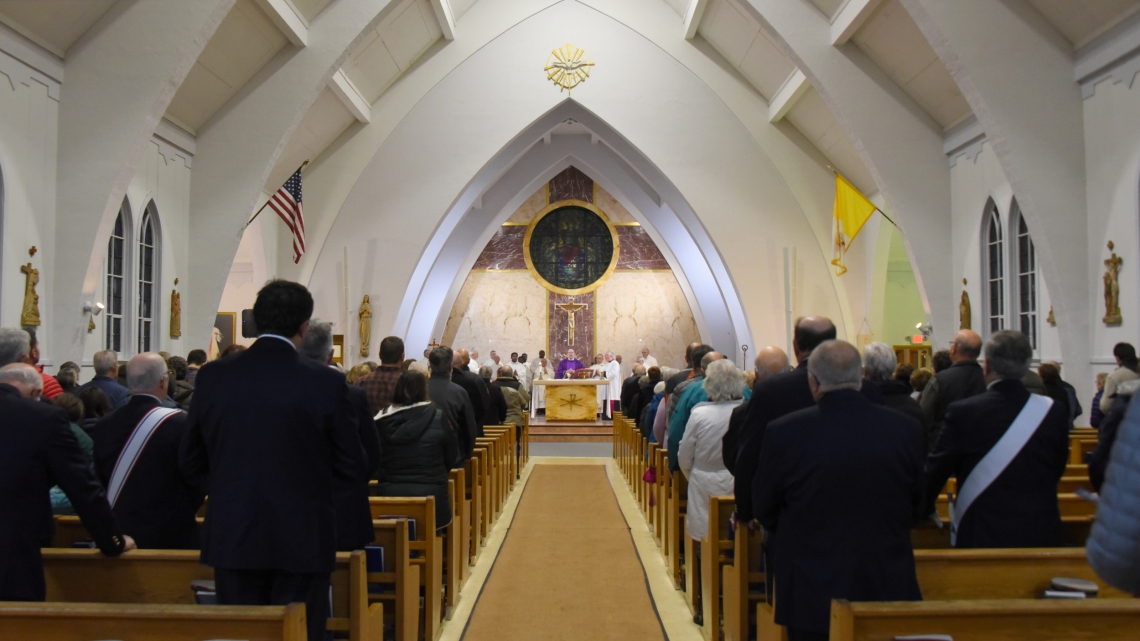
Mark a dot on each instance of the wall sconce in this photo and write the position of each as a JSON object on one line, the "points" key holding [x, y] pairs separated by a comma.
{"points": [[93, 308], [926, 330]]}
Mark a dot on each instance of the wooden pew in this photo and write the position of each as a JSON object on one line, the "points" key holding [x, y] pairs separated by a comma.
{"points": [[650, 504], [67, 621], [486, 509], [661, 461], [928, 537], [162, 577], [1067, 485], [1081, 444], [1070, 505], [456, 541], [427, 547], [474, 495], [716, 551], [402, 602], [678, 498], [988, 620]]}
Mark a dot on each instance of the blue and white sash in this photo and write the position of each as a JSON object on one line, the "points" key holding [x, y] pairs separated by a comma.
{"points": [[133, 449], [998, 458]]}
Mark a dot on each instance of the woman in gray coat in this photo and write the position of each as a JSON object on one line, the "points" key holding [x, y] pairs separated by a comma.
{"points": [[1113, 548]]}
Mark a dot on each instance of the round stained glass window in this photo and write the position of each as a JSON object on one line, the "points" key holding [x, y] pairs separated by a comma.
{"points": [[571, 248]]}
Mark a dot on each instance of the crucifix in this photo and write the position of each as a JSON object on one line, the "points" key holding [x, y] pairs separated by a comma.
{"points": [[571, 310]]}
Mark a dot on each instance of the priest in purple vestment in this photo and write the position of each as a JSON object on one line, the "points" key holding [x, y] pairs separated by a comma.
{"points": [[568, 364]]}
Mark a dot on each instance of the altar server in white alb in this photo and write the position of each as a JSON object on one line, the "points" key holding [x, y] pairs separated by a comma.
{"points": [[613, 377]]}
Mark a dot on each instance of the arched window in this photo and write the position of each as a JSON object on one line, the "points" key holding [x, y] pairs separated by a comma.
{"points": [[1026, 280], [995, 271], [116, 280], [148, 257]]}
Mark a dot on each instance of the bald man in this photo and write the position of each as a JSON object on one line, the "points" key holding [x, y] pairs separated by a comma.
{"points": [[149, 494], [963, 379], [770, 360]]}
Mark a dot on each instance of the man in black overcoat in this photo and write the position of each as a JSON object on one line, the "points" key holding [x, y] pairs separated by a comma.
{"points": [[841, 483], [156, 503], [452, 399], [37, 451], [1019, 508], [271, 429]]}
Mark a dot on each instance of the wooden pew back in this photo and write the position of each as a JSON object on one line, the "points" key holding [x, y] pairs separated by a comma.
{"points": [[427, 548], [402, 600]]}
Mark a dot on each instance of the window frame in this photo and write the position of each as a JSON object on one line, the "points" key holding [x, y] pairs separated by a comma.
{"points": [[1019, 229], [144, 323], [991, 222], [123, 224]]}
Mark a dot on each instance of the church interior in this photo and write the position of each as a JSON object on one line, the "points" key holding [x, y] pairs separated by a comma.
{"points": [[908, 169]]}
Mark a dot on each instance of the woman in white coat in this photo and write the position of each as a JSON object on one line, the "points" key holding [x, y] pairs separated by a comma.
{"points": [[701, 455]]}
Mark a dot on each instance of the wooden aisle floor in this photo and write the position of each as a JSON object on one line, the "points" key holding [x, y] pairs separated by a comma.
{"points": [[568, 568]]}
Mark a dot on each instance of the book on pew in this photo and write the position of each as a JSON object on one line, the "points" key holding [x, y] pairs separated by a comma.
{"points": [[1077, 586], [412, 554], [374, 562], [926, 637], [204, 591], [1063, 594]]}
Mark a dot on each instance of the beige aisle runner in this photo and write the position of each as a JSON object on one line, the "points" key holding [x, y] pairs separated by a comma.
{"points": [[568, 568]]}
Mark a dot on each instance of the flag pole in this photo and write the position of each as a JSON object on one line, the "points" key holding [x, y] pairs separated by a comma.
{"points": [[258, 212]]}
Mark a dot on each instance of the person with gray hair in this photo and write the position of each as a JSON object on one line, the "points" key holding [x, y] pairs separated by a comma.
{"points": [[106, 364], [699, 453], [879, 364], [453, 400], [136, 459], [350, 495], [37, 451], [1017, 504], [844, 460], [15, 344]]}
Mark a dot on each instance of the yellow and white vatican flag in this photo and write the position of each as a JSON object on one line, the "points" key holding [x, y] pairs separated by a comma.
{"points": [[852, 210]]}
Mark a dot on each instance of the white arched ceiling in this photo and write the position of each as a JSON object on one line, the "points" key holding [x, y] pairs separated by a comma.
{"points": [[686, 146]]}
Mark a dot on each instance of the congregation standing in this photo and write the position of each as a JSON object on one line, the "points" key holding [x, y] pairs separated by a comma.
{"points": [[843, 437]]}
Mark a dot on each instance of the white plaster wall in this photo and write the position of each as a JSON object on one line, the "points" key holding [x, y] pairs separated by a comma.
{"points": [[743, 200], [639, 309], [28, 141], [973, 182], [166, 181], [502, 311], [1112, 142]]}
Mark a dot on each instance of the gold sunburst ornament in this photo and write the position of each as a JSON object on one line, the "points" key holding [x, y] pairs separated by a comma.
{"points": [[568, 67]]}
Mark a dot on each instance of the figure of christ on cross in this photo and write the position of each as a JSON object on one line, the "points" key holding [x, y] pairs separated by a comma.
{"points": [[571, 310], [568, 364]]}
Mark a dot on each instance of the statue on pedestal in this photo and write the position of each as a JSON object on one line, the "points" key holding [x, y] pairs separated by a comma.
{"points": [[30, 315], [965, 314], [175, 312], [365, 315], [1112, 288]]}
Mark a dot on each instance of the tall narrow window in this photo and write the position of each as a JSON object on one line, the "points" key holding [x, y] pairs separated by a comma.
{"points": [[146, 282], [116, 266], [995, 273], [1026, 283]]}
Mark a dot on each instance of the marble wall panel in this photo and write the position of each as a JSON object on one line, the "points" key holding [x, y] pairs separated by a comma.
{"points": [[614, 210], [645, 309], [503, 311], [525, 213], [583, 327], [571, 184], [636, 250], [504, 250]]}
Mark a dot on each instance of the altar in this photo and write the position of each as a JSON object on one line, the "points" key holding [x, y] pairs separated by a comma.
{"points": [[572, 399]]}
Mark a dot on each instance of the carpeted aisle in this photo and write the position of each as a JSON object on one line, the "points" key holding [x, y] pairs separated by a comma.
{"points": [[568, 568]]}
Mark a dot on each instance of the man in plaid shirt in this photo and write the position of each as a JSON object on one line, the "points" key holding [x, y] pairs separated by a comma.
{"points": [[380, 384]]}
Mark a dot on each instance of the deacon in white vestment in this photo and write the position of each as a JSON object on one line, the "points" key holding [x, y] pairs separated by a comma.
{"points": [[542, 372], [473, 364], [614, 380], [650, 361]]}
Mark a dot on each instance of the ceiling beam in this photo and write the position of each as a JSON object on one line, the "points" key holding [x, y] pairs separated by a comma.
{"points": [[789, 94], [445, 17], [343, 89], [286, 18], [850, 18], [693, 16]]}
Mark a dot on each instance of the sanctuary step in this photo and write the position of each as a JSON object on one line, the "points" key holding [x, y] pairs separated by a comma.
{"points": [[598, 431]]}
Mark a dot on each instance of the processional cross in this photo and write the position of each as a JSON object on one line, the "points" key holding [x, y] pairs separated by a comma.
{"points": [[571, 310]]}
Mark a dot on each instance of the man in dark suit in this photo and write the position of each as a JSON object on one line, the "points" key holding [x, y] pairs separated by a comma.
{"points": [[1019, 508], [842, 485], [150, 496], [769, 361], [630, 388], [452, 399], [963, 379], [350, 496], [37, 451], [272, 429], [474, 385]]}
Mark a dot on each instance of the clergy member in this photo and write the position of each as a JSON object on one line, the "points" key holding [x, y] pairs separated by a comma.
{"points": [[568, 364], [650, 361], [613, 377]]}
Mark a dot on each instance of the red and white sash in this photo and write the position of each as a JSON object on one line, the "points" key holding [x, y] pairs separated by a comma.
{"points": [[133, 449]]}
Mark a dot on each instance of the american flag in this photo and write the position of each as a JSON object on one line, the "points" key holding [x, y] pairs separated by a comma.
{"points": [[287, 203]]}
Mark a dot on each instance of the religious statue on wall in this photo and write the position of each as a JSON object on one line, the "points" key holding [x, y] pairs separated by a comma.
{"points": [[965, 314], [365, 315], [175, 312], [1112, 287], [30, 315]]}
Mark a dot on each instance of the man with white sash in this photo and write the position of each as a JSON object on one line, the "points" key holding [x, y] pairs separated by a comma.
{"points": [[1007, 449], [136, 458]]}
